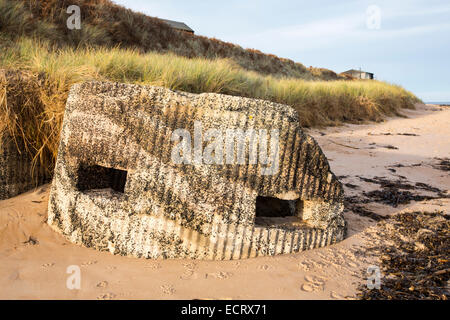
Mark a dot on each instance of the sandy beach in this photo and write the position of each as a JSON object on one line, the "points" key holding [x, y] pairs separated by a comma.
{"points": [[34, 258]]}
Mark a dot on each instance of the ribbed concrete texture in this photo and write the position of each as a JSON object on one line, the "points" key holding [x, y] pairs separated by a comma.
{"points": [[118, 187]]}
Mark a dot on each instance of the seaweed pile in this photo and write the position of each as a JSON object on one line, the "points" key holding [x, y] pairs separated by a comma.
{"points": [[394, 193], [415, 258], [391, 193], [443, 164], [394, 197], [353, 204]]}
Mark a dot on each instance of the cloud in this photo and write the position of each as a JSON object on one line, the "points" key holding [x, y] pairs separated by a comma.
{"points": [[418, 11], [414, 30], [322, 28], [326, 33]]}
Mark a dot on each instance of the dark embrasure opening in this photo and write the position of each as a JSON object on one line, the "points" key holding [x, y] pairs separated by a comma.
{"points": [[275, 211], [273, 207], [99, 177]]}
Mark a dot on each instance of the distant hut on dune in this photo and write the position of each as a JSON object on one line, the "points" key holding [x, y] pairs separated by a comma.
{"points": [[181, 26], [359, 74]]}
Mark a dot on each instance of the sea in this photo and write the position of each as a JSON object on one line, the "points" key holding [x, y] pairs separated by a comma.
{"points": [[441, 103]]}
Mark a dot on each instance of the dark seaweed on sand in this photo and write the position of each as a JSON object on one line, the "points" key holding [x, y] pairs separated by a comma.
{"points": [[443, 164], [415, 258], [394, 193]]}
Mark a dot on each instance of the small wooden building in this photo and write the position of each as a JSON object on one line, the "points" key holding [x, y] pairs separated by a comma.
{"points": [[181, 26], [358, 74]]}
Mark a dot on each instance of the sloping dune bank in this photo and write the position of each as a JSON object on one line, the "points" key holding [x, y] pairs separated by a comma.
{"points": [[400, 165]]}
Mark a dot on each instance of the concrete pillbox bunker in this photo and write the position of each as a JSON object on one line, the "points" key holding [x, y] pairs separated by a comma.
{"points": [[117, 186]]}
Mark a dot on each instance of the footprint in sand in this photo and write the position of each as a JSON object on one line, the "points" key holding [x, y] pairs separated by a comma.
{"points": [[48, 265], [219, 275], [313, 283], [106, 296], [167, 289], [314, 279], [335, 295], [309, 264], [189, 275], [88, 263], [264, 267], [305, 265], [190, 265], [307, 287], [189, 272], [102, 284]]}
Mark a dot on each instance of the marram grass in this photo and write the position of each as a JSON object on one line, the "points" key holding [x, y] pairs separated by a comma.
{"points": [[318, 103]]}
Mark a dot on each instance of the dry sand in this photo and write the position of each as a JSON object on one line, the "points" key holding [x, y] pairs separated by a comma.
{"points": [[34, 259]]}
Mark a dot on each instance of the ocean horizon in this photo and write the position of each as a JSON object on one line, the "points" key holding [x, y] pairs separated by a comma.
{"points": [[440, 102]]}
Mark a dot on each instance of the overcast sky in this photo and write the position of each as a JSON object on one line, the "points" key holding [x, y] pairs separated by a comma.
{"points": [[402, 42]]}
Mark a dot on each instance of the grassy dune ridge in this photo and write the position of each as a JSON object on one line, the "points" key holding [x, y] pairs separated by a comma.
{"points": [[107, 24], [49, 71]]}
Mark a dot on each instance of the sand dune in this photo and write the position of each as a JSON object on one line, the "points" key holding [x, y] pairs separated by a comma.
{"points": [[34, 259]]}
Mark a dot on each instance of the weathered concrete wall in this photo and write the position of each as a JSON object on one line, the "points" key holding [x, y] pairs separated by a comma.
{"points": [[168, 210]]}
